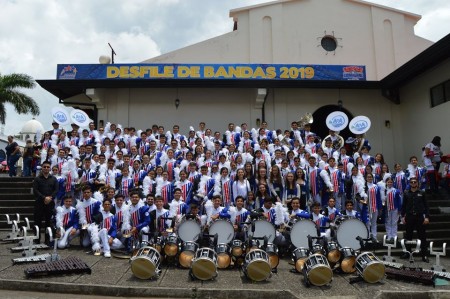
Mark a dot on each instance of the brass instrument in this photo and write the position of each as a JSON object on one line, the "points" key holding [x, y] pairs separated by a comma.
{"points": [[305, 119], [337, 143], [358, 144]]}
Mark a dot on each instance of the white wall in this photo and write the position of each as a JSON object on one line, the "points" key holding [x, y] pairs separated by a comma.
{"points": [[380, 38], [419, 122]]}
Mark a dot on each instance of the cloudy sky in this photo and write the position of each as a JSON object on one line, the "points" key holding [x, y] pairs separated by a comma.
{"points": [[36, 35]]}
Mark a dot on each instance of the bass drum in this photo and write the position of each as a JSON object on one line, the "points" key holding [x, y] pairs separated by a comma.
{"points": [[348, 232], [300, 232], [257, 266], [224, 230], [188, 230], [145, 264], [262, 228]]}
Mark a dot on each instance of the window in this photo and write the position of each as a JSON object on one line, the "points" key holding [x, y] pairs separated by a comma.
{"points": [[440, 93], [328, 43]]}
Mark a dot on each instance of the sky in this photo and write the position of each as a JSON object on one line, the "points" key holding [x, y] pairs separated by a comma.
{"points": [[36, 35]]}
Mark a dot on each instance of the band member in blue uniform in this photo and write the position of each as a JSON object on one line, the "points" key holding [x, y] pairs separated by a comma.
{"points": [[87, 208], [139, 217], [67, 223]]}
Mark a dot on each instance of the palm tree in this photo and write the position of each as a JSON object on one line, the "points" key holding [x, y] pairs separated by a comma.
{"points": [[9, 94]]}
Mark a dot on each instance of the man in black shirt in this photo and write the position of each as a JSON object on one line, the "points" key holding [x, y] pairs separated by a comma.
{"points": [[45, 187], [415, 215]]}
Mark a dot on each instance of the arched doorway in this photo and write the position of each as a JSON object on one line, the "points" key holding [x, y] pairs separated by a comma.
{"points": [[319, 125]]}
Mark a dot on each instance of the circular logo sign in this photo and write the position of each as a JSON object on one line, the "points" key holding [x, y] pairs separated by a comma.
{"points": [[360, 124], [80, 118], [60, 116], [337, 121]]}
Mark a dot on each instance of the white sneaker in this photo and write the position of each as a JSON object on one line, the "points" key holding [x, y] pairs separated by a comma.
{"points": [[108, 254]]}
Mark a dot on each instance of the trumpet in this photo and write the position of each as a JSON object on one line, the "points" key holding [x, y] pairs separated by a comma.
{"points": [[305, 119]]}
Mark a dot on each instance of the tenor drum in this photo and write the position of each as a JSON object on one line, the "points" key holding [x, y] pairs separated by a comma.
{"points": [[262, 228], [349, 230], [189, 230], [204, 265], [272, 252], [158, 245], [317, 270], [237, 248], [348, 260], [223, 256], [318, 249], [224, 230], [145, 264], [300, 232], [252, 245], [171, 245], [369, 267], [333, 253], [257, 266], [299, 255], [188, 250]]}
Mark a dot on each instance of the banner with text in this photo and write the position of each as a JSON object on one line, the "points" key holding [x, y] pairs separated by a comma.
{"points": [[211, 71]]}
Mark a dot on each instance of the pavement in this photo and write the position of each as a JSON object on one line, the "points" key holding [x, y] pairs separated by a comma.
{"points": [[113, 277]]}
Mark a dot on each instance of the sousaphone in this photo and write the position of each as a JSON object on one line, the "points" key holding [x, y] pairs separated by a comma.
{"points": [[336, 121]]}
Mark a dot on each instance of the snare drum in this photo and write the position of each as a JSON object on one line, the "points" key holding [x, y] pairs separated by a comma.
{"points": [[272, 252], [262, 228], [299, 256], [158, 245], [333, 253], [300, 231], [256, 265], [348, 260], [252, 245], [188, 250], [145, 264], [224, 230], [317, 270], [171, 245], [369, 267], [188, 230], [223, 256], [204, 265], [318, 249], [349, 230]]}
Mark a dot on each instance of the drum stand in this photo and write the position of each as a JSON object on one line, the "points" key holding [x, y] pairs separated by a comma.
{"points": [[437, 266], [389, 245], [14, 235], [405, 242]]}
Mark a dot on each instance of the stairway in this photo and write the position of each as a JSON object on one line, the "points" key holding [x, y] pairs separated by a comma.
{"points": [[438, 230], [16, 196]]}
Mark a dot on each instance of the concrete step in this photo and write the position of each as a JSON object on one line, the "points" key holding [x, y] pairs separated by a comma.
{"points": [[16, 179], [13, 210], [431, 226], [27, 202], [17, 190], [15, 185], [438, 203], [14, 197]]}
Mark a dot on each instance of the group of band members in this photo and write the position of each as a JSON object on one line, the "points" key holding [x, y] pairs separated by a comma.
{"points": [[143, 181]]}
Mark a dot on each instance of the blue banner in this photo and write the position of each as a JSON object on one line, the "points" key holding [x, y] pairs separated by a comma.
{"points": [[211, 71]]}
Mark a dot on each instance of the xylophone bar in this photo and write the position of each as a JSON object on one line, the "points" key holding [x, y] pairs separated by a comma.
{"points": [[424, 277], [70, 265]]}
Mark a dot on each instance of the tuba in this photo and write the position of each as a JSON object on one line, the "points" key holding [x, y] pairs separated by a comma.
{"points": [[305, 119], [337, 143]]}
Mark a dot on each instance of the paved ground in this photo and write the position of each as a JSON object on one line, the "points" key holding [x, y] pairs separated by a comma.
{"points": [[113, 277]]}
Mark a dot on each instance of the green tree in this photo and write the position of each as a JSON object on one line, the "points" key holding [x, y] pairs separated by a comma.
{"points": [[9, 93]]}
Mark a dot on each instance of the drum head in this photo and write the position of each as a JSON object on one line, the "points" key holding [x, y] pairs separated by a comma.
{"points": [[203, 269], [263, 229], [189, 230], [224, 229], [374, 272], [143, 268], [300, 232], [349, 230], [320, 275], [258, 270]]}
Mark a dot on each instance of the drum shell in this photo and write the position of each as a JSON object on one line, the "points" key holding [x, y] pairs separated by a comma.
{"points": [[145, 264], [317, 270], [299, 255], [272, 252], [348, 260], [333, 253], [369, 267], [188, 250], [237, 248], [204, 265], [263, 228], [348, 230], [300, 230], [223, 256], [257, 266], [171, 245], [224, 229]]}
